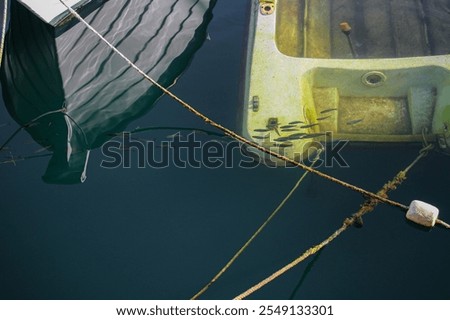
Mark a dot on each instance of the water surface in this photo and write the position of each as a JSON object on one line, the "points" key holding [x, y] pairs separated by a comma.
{"points": [[162, 234]]}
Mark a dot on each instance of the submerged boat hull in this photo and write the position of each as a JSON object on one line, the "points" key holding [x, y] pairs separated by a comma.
{"points": [[303, 79]]}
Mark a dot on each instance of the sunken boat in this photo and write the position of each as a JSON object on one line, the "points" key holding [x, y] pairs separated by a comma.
{"points": [[367, 71], [53, 63]]}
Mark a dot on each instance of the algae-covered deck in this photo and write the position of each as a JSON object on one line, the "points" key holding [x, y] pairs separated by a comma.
{"points": [[380, 28]]}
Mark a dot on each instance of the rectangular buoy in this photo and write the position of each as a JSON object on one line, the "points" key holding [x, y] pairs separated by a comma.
{"points": [[422, 213]]}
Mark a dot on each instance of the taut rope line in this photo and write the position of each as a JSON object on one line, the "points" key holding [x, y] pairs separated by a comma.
{"points": [[260, 229], [231, 133], [368, 206]]}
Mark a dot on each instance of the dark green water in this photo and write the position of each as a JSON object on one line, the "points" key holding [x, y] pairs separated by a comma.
{"points": [[162, 234]]}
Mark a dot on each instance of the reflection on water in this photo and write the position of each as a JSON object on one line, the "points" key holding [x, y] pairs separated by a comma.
{"points": [[162, 234], [46, 70]]}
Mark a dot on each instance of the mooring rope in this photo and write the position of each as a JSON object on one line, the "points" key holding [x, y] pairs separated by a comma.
{"points": [[368, 206], [443, 223], [260, 229], [16, 159], [29, 123], [62, 110], [231, 133]]}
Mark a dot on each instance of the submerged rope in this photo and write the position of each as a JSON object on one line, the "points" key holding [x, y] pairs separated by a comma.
{"points": [[231, 133], [145, 129], [368, 206], [14, 160], [62, 110], [26, 125], [260, 229]]}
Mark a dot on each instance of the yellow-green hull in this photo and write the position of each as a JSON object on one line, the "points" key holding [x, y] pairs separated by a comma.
{"points": [[302, 79]]}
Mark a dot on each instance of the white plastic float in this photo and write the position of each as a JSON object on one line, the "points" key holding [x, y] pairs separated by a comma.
{"points": [[422, 213]]}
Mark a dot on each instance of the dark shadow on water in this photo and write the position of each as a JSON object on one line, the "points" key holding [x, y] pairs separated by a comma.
{"points": [[418, 226], [305, 275]]}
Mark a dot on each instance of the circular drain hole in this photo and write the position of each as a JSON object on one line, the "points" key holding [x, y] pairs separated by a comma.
{"points": [[374, 78], [267, 9]]}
